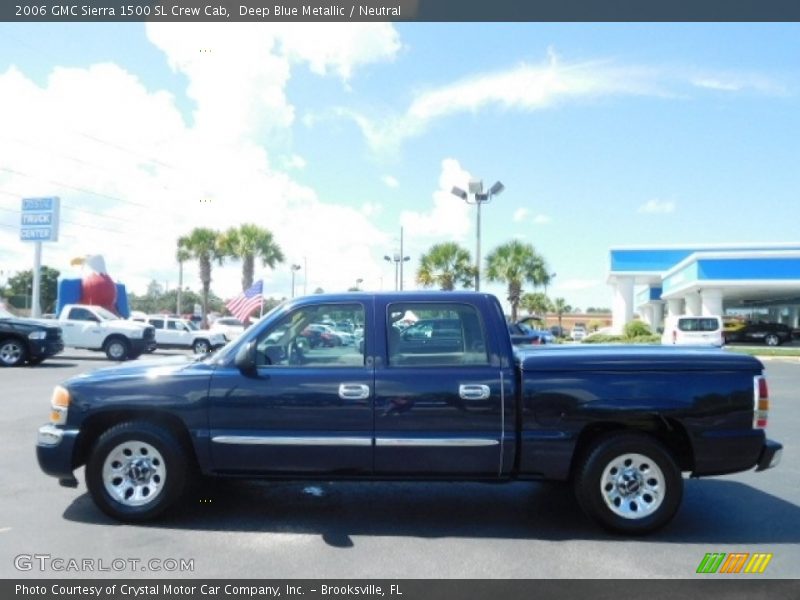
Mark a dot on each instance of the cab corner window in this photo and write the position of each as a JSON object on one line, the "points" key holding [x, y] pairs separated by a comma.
{"points": [[328, 335], [435, 334]]}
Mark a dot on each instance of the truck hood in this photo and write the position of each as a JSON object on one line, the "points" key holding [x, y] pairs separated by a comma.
{"points": [[633, 358], [28, 325], [124, 325], [150, 369]]}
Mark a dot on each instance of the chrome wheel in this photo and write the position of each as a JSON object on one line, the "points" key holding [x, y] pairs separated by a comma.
{"points": [[11, 353], [633, 486], [772, 340], [116, 351], [134, 473], [201, 347]]}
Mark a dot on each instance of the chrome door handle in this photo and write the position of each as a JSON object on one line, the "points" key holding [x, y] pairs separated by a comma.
{"points": [[353, 391], [474, 391]]}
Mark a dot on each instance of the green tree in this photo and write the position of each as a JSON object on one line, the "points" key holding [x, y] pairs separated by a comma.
{"points": [[446, 265], [203, 245], [515, 264], [536, 303], [560, 307], [248, 243], [20, 285]]}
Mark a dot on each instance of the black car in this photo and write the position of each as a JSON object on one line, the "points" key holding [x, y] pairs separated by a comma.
{"points": [[28, 340], [523, 335], [771, 334]]}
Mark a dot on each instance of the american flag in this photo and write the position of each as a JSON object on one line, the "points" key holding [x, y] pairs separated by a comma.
{"points": [[246, 302]]}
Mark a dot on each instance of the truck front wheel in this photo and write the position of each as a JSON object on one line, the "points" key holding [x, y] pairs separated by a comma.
{"points": [[117, 348], [629, 483], [136, 471]]}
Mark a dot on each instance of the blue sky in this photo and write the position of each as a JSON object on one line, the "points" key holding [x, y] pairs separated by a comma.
{"points": [[336, 135]]}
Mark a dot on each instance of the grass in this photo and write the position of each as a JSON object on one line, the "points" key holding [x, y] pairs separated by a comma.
{"points": [[765, 351]]}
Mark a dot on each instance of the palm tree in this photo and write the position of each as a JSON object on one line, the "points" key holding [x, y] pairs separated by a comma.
{"points": [[247, 243], [535, 303], [446, 265], [181, 255], [560, 307], [203, 245], [515, 264]]}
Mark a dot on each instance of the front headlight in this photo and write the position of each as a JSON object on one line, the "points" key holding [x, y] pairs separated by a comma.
{"points": [[37, 335], [59, 405]]}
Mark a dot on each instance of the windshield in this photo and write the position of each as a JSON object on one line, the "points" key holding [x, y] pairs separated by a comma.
{"points": [[105, 315], [191, 325]]}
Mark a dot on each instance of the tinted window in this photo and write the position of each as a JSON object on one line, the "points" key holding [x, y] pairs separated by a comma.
{"points": [[81, 314], [441, 334], [699, 324], [157, 323], [298, 339]]}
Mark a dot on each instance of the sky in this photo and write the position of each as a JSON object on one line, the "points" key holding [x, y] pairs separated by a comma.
{"points": [[334, 136]]}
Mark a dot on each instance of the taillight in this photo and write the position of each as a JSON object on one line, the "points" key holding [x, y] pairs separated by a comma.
{"points": [[760, 402], [674, 337]]}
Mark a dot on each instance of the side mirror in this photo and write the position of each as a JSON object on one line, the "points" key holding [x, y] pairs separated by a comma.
{"points": [[246, 358]]}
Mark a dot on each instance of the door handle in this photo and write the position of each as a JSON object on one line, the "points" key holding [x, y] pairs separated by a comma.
{"points": [[353, 391], [471, 391]]}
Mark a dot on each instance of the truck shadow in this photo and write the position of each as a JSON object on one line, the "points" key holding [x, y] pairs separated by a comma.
{"points": [[713, 512]]}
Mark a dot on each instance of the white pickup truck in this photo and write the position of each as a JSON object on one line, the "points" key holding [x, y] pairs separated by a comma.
{"points": [[173, 332], [95, 328]]}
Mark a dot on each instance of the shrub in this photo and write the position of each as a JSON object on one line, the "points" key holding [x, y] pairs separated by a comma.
{"points": [[636, 329]]}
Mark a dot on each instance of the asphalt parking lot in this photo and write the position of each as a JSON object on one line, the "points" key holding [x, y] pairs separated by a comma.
{"points": [[388, 530]]}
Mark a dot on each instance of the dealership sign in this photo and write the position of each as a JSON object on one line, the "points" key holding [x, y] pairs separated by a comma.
{"points": [[39, 219]]}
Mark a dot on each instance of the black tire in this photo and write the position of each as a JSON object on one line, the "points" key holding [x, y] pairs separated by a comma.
{"points": [[201, 346], [117, 348], [161, 482], [35, 361], [772, 339], [647, 488], [12, 352]]}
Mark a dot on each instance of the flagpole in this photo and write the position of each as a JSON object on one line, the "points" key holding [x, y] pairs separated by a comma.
{"points": [[261, 309]]}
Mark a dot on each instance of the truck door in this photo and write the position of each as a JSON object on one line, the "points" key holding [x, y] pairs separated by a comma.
{"points": [[438, 400], [306, 409], [82, 328]]}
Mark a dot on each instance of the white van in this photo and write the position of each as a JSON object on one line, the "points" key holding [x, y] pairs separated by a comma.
{"points": [[684, 330]]}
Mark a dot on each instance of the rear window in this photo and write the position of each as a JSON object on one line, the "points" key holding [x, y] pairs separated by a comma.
{"points": [[698, 324]]}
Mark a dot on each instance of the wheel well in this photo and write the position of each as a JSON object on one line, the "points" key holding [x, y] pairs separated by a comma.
{"points": [[668, 431], [95, 426], [13, 336]]}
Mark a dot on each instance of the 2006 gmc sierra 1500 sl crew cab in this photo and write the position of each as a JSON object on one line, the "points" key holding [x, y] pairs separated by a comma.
{"points": [[621, 423]]}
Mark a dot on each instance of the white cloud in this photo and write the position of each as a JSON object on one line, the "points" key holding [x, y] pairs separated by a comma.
{"points": [[371, 208], [574, 285], [520, 215], [542, 219], [449, 218], [657, 207], [739, 82], [390, 181], [295, 161], [133, 175]]}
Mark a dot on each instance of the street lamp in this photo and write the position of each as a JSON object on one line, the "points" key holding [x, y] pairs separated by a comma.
{"points": [[294, 268], [398, 281], [479, 197], [358, 283]]}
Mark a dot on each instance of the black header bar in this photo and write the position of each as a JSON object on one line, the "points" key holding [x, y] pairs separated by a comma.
{"points": [[399, 10]]}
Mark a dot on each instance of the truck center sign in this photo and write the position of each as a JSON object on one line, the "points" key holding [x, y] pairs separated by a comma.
{"points": [[39, 219]]}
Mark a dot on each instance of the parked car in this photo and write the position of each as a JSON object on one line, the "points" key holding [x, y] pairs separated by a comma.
{"points": [[95, 328], [620, 424], [558, 331], [27, 340], [230, 327], [578, 333], [522, 334], [771, 334], [172, 332], [683, 330]]}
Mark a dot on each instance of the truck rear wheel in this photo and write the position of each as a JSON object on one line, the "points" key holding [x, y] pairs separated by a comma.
{"points": [[629, 483], [201, 347], [136, 471], [117, 348]]}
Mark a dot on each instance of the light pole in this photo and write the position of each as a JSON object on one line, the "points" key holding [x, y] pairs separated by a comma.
{"points": [[294, 268], [358, 284], [398, 282], [479, 197]]}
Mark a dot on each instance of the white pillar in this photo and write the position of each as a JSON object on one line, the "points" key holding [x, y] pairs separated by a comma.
{"points": [[675, 306], [646, 314], [693, 304], [793, 317], [658, 316], [622, 308], [711, 300]]}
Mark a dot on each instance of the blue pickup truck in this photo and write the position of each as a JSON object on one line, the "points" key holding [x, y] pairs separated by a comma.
{"points": [[621, 424]]}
